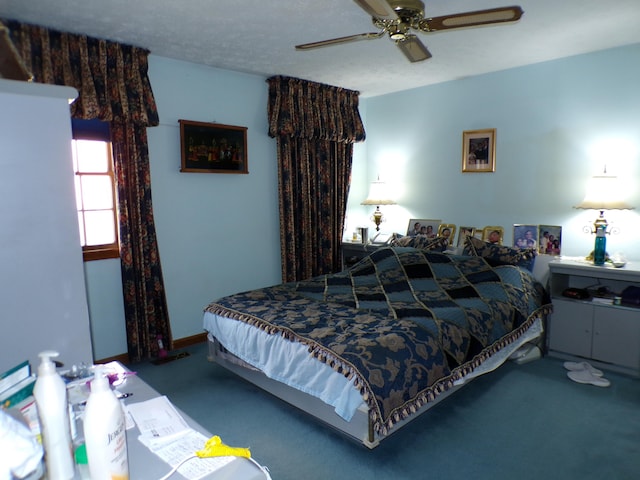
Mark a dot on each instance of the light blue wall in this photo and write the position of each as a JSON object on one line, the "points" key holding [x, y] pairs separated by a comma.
{"points": [[106, 308], [552, 120], [217, 233]]}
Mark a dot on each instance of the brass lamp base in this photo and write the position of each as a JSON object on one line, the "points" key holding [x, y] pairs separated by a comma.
{"points": [[600, 222], [377, 218], [590, 257]]}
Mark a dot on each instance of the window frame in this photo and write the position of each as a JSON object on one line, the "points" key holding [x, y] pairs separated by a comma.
{"points": [[97, 130]]}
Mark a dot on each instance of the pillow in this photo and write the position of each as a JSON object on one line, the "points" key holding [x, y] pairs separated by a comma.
{"points": [[499, 254], [420, 241]]}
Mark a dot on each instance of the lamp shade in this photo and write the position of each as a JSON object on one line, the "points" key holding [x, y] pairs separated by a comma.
{"points": [[378, 195], [603, 193]]}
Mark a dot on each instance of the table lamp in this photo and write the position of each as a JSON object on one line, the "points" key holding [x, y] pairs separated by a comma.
{"points": [[378, 195], [603, 193]]}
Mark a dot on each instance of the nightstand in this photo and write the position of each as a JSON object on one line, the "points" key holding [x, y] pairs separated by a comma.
{"points": [[606, 334], [353, 252]]}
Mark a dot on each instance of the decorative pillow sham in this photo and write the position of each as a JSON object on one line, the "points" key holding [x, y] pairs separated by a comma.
{"points": [[420, 241], [500, 254]]}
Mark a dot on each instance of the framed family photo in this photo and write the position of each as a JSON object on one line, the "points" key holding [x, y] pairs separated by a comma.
{"points": [[448, 231], [212, 148], [479, 150], [493, 234], [426, 227], [525, 236], [550, 239]]}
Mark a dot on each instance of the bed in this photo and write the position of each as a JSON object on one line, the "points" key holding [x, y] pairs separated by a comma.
{"points": [[369, 349]]}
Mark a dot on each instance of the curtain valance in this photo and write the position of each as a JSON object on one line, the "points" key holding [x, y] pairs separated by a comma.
{"points": [[302, 109], [111, 78]]}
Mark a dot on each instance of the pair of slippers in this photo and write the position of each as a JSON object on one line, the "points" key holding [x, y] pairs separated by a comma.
{"points": [[584, 372]]}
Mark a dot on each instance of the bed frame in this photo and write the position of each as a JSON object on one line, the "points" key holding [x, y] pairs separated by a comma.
{"points": [[359, 429]]}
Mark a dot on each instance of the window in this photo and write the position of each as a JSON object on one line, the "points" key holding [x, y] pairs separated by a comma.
{"points": [[95, 190]]}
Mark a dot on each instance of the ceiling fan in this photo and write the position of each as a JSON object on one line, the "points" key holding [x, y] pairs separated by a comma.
{"points": [[398, 18]]}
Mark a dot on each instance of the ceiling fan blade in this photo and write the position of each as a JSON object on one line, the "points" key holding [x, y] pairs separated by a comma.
{"points": [[413, 49], [377, 8], [335, 41], [472, 19]]}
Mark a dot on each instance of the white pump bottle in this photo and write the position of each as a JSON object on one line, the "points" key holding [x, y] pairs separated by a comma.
{"points": [[50, 393], [105, 432]]}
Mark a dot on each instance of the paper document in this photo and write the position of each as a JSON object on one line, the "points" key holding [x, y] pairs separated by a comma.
{"points": [[186, 446], [158, 420], [167, 434]]}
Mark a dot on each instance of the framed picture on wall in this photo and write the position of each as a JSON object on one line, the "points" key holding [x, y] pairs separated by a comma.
{"points": [[525, 236], [213, 148], [464, 233], [479, 150], [426, 227], [550, 239], [493, 234]]}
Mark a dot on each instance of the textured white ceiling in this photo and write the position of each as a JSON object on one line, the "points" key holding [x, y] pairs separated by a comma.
{"points": [[258, 36]]}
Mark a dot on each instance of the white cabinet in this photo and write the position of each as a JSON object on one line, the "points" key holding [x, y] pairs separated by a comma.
{"points": [[42, 294], [608, 335]]}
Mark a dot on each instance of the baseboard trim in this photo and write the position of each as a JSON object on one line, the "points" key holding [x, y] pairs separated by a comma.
{"points": [[177, 344], [189, 341], [122, 358]]}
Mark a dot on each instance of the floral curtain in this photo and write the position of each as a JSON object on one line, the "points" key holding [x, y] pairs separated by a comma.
{"points": [[114, 87], [315, 126]]}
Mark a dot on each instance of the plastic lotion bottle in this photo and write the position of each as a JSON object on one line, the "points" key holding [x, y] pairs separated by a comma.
{"points": [[105, 433], [599, 253], [50, 393]]}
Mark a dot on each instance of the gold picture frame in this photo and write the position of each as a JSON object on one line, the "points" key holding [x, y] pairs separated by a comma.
{"points": [[479, 151], [493, 234], [442, 232], [213, 148]]}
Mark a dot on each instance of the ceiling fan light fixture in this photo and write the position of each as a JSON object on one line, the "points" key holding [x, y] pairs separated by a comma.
{"points": [[398, 18], [398, 32]]}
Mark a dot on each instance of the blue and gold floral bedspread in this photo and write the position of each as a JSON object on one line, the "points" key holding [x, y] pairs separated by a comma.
{"points": [[406, 323]]}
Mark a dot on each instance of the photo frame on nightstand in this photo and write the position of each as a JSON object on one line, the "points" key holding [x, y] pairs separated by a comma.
{"points": [[493, 234], [447, 230], [550, 239], [525, 236], [425, 227], [464, 233]]}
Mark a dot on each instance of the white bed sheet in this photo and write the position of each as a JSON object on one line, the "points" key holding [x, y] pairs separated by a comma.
{"points": [[286, 361], [290, 363]]}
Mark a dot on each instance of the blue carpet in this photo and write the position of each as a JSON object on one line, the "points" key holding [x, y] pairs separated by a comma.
{"points": [[520, 422]]}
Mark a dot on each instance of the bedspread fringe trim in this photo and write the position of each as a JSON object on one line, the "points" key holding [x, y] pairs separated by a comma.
{"points": [[381, 425]]}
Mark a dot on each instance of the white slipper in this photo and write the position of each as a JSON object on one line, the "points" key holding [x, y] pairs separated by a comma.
{"points": [[583, 376], [578, 366]]}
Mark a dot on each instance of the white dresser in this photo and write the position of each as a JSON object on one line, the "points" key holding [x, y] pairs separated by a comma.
{"points": [[606, 334]]}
